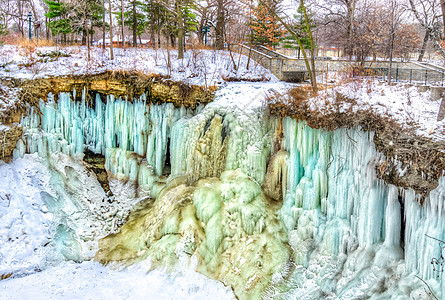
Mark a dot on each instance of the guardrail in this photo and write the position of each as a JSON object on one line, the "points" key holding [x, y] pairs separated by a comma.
{"points": [[293, 69], [419, 76], [274, 64]]}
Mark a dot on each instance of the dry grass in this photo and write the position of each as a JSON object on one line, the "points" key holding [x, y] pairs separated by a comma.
{"points": [[26, 43], [423, 158]]}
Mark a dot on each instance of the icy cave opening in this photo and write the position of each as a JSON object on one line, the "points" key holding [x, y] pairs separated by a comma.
{"points": [[270, 207]]}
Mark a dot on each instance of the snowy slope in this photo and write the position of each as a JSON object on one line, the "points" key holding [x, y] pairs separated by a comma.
{"points": [[404, 103], [201, 67]]}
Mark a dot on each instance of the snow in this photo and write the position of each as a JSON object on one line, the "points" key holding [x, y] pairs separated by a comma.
{"points": [[402, 102], [357, 221], [201, 67], [52, 209], [246, 96], [8, 98], [91, 280], [35, 203]]}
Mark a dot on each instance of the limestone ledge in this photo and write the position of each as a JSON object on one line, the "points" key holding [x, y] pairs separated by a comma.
{"points": [[159, 88]]}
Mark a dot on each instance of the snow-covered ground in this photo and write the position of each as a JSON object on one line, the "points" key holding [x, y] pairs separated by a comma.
{"points": [[91, 280], [403, 102], [201, 67]]}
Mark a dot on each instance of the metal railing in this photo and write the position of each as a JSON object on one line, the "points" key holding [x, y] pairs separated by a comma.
{"points": [[280, 64], [414, 76]]}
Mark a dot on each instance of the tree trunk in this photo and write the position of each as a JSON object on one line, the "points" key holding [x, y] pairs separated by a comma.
{"points": [[84, 35], [47, 28], [169, 64], [180, 30], [220, 26], [312, 73], [123, 24], [135, 25], [350, 30], [152, 26], [249, 57], [425, 42], [172, 40], [111, 31], [391, 50], [20, 21], [103, 24], [442, 5], [201, 25], [88, 45]]}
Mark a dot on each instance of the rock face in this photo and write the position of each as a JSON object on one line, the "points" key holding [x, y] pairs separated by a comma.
{"points": [[159, 89], [9, 136]]}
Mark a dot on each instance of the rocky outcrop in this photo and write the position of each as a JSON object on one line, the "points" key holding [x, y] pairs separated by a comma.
{"points": [[158, 88], [9, 136]]}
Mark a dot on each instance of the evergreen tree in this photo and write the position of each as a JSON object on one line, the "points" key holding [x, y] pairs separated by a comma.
{"points": [[3, 29], [187, 18], [58, 15], [265, 27], [129, 18], [85, 16], [156, 17], [290, 42]]}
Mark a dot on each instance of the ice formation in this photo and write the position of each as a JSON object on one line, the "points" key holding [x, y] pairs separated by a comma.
{"points": [[52, 209], [271, 207]]}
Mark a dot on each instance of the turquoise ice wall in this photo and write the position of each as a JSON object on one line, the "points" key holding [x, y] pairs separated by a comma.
{"points": [[333, 203]]}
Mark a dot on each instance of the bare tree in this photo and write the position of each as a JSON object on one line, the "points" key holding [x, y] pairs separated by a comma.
{"points": [[442, 5], [406, 41], [395, 14], [428, 14], [339, 19], [310, 63], [371, 30], [16, 11], [135, 24], [206, 11]]}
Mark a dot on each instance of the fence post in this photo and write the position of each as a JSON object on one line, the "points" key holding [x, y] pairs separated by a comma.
{"points": [[397, 74], [410, 75], [426, 76]]}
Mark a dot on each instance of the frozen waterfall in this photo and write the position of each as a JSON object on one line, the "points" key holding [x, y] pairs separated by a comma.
{"points": [[352, 235]]}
